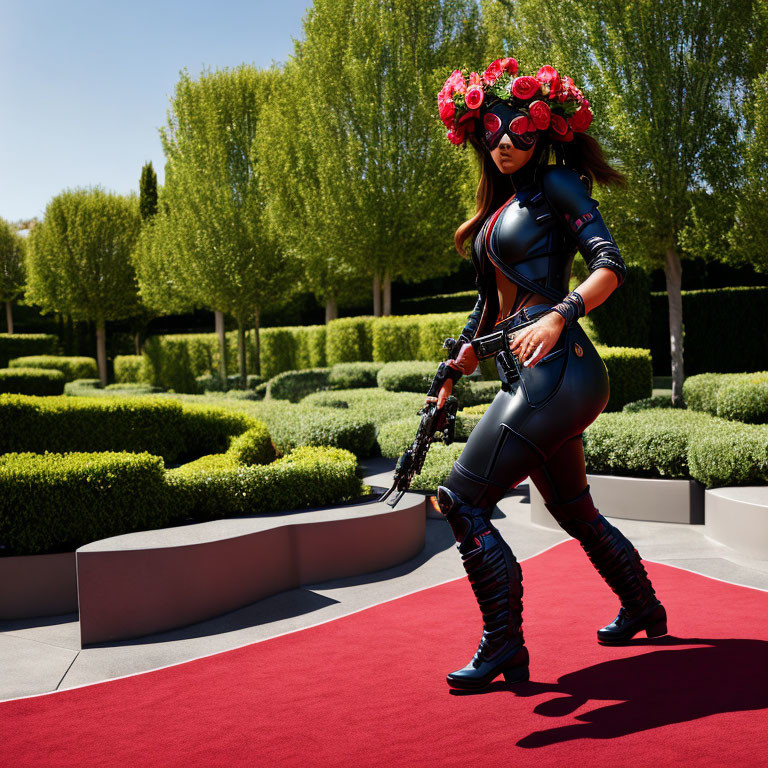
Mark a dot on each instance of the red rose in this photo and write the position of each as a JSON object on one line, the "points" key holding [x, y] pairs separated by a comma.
{"points": [[540, 114], [493, 72], [455, 83], [580, 120], [548, 75], [525, 87], [474, 96], [568, 135], [558, 124], [469, 116], [509, 65], [519, 125], [447, 109], [457, 135], [474, 79]]}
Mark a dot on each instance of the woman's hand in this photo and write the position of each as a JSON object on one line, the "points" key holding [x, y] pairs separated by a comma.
{"points": [[443, 394], [536, 340]]}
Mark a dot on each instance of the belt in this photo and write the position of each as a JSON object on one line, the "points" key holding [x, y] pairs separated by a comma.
{"points": [[498, 340]]}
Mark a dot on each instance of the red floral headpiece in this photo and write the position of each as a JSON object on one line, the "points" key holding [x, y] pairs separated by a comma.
{"points": [[549, 102]]}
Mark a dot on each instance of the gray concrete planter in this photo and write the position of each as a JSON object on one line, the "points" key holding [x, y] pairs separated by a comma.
{"points": [[146, 582], [738, 518], [37, 585], [636, 498]]}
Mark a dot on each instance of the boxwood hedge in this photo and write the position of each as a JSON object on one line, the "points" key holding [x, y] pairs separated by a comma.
{"points": [[734, 396], [32, 381], [295, 385], [19, 344], [71, 367]]}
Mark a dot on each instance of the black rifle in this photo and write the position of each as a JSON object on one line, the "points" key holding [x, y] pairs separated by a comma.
{"points": [[433, 419]]}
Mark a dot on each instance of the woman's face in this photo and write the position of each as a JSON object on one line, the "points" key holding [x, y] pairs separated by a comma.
{"points": [[508, 158]]}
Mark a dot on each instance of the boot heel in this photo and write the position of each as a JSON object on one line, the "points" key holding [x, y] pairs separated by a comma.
{"points": [[517, 674], [658, 625]]}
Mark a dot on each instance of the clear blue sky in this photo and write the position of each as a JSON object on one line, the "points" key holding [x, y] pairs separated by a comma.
{"points": [[85, 85]]}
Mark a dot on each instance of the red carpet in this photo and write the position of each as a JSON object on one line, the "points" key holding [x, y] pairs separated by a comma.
{"points": [[369, 689]]}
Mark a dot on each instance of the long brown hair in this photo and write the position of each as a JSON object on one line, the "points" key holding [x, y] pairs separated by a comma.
{"points": [[584, 154]]}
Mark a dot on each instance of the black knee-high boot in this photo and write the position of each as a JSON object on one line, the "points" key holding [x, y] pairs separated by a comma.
{"points": [[618, 562], [497, 582]]}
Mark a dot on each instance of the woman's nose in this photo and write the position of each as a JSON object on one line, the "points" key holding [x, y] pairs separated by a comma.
{"points": [[505, 141]]}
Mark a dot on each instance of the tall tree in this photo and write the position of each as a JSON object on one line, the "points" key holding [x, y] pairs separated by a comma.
{"points": [[147, 192], [79, 260], [12, 271], [225, 256], [378, 184], [666, 80]]}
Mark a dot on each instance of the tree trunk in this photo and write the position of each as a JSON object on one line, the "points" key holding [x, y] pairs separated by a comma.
{"points": [[331, 310], [222, 347], [387, 286], [137, 342], [257, 343], [673, 271], [101, 351], [241, 353], [9, 316], [376, 296]]}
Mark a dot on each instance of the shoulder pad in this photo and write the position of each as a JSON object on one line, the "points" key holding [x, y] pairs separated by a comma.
{"points": [[566, 190]]}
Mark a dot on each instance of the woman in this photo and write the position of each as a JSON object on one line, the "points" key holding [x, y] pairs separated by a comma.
{"points": [[534, 211]]}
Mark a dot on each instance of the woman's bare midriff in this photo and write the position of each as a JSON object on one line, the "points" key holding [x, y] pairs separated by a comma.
{"points": [[507, 291]]}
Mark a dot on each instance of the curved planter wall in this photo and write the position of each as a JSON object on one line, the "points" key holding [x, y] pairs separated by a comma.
{"points": [[152, 581], [635, 498], [738, 518], [37, 585]]}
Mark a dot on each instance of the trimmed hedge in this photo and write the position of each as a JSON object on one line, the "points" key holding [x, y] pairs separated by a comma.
{"points": [[32, 381], [630, 371], [354, 375], [163, 427], [730, 454], [349, 340], [128, 368], [54, 502], [733, 396], [92, 387], [20, 344], [713, 318], [215, 487], [376, 405], [253, 447], [295, 385], [657, 401], [462, 301], [72, 367], [395, 436]]}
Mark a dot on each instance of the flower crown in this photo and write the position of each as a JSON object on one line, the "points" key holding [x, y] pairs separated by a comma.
{"points": [[548, 101]]}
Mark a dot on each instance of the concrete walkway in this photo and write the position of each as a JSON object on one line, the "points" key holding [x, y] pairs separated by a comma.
{"points": [[43, 655]]}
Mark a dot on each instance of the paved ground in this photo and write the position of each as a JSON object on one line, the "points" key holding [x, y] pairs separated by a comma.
{"points": [[42, 655]]}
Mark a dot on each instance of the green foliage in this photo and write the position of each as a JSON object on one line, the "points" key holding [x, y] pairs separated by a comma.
{"points": [[396, 338], [78, 498], [657, 401], [463, 301], [730, 454], [630, 371], [72, 367], [349, 340], [733, 396], [214, 487], [253, 447], [169, 363], [31, 381], [163, 427], [85, 235], [395, 436], [295, 385], [437, 466], [715, 323], [130, 368], [147, 192], [12, 268], [353, 375], [19, 344]]}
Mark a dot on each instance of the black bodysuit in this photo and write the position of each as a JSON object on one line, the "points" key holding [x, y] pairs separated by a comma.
{"points": [[534, 426]]}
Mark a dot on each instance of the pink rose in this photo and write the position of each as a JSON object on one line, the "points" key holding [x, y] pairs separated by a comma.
{"points": [[474, 79], [447, 109], [525, 87], [455, 83], [540, 114], [492, 72], [580, 120], [474, 96], [509, 65]]}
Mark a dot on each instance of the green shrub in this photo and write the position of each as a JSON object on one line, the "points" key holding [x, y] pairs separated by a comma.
{"points": [[734, 396], [463, 301], [310, 347], [295, 385], [349, 340], [416, 376], [650, 443], [53, 502], [480, 393], [435, 329], [396, 338], [730, 454], [395, 436], [163, 427], [631, 374], [253, 447], [657, 401], [169, 361], [129, 368], [92, 387], [278, 351], [31, 381], [19, 344], [213, 488], [353, 375], [72, 367], [82, 387], [375, 405], [437, 466]]}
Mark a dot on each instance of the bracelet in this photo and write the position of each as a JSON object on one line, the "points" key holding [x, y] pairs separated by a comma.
{"points": [[571, 308]]}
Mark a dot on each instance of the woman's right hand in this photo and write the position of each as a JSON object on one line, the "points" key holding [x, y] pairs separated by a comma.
{"points": [[442, 395]]}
